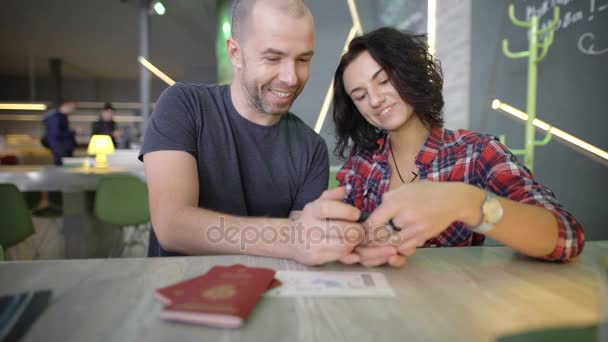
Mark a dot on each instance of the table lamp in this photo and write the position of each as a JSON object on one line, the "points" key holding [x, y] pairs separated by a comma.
{"points": [[100, 145]]}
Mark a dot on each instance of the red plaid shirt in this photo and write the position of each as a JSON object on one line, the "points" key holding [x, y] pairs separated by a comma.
{"points": [[461, 156]]}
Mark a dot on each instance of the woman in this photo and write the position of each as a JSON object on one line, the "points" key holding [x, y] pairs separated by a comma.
{"points": [[438, 187]]}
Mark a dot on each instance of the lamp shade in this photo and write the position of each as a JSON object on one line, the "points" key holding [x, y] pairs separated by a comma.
{"points": [[100, 144]]}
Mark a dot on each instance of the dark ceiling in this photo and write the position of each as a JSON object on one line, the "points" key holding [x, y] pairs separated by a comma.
{"points": [[100, 38]]}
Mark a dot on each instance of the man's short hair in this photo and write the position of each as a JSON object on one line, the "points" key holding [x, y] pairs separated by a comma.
{"points": [[108, 106], [242, 9]]}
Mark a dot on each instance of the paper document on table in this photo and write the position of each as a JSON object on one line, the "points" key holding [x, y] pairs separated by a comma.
{"points": [[331, 284]]}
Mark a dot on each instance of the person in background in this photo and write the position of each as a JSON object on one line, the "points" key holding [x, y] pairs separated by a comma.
{"points": [[106, 125], [61, 140], [59, 137], [440, 188]]}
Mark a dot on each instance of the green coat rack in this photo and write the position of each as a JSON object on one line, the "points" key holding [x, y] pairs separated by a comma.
{"points": [[539, 42]]}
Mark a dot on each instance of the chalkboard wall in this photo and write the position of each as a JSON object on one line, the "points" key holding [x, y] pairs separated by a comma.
{"points": [[572, 95]]}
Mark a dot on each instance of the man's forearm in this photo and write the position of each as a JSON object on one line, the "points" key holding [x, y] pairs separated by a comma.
{"points": [[196, 231]]}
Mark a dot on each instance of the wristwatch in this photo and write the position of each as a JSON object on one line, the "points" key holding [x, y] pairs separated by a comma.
{"points": [[491, 214]]}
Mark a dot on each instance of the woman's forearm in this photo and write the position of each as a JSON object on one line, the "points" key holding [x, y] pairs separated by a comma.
{"points": [[529, 229]]}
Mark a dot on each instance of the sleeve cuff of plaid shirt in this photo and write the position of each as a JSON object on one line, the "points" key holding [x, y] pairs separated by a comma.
{"points": [[570, 241]]}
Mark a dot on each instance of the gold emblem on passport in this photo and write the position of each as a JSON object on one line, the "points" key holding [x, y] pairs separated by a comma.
{"points": [[220, 292]]}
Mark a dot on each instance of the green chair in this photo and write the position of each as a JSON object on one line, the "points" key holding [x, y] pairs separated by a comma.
{"points": [[15, 223], [122, 200]]}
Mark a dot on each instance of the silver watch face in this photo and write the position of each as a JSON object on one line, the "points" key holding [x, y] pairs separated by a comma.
{"points": [[492, 211]]}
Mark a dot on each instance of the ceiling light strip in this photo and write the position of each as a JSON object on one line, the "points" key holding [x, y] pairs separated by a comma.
{"points": [[497, 104], [155, 71]]}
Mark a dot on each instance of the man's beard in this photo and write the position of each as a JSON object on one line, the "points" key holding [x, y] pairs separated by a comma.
{"points": [[257, 101]]}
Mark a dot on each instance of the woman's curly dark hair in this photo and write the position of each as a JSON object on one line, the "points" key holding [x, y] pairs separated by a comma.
{"points": [[412, 70]]}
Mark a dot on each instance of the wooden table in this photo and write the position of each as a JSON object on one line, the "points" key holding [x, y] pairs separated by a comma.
{"points": [[443, 294]]}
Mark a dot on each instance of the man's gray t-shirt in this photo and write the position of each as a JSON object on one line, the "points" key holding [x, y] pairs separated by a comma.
{"points": [[244, 168]]}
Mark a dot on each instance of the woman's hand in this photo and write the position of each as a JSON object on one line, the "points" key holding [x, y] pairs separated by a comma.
{"points": [[422, 210]]}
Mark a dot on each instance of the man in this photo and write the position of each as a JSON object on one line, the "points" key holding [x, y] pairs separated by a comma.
{"points": [[230, 170], [106, 125], [60, 138]]}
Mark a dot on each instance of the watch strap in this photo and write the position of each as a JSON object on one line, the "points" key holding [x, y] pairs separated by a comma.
{"points": [[485, 226]]}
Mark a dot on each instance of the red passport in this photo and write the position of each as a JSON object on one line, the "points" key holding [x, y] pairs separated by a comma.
{"points": [[175, 292], [223, 297]]}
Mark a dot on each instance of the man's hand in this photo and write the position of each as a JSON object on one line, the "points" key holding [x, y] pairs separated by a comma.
{"points": [[330, 231], [371, 256], [378, 248]]}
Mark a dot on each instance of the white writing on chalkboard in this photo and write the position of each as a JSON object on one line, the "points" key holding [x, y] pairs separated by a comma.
{"points": [[573, 12], [544, 7], [586, 46]]}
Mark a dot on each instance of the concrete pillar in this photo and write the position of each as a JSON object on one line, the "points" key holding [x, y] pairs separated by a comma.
{"points": [[144, 74], [453, 48], [55, 81]]}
